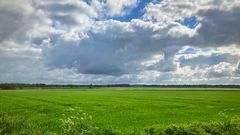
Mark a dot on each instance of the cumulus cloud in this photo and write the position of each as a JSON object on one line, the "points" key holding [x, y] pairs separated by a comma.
{"points": [[15, 19], [206, 58], [213, 28], [221, 70], [70, 41], [116, 48], [120, 7]]}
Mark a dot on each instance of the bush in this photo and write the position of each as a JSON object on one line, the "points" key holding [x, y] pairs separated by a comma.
{"points": [[227, 126]]}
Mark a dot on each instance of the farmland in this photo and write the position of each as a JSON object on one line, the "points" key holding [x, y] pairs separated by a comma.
{"points": [[125, 110]]}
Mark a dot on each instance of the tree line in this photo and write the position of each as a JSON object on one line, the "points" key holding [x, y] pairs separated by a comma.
{"points": [[9, 86]]}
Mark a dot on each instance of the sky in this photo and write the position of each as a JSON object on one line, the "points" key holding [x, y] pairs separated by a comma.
{"points": [[120, 41]]}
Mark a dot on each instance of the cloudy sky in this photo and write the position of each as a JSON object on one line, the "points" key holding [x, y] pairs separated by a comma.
{"points": [[120, 41]]}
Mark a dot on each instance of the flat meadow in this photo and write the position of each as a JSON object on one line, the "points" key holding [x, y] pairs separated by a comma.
{"points": [[112, 110]]}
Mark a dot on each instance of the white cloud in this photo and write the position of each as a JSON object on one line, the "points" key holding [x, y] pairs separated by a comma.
{"points": [[221, 70], [213, 28], [120, 7]]}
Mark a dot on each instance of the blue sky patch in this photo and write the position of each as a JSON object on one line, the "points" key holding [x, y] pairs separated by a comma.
{"points": [[187, 51], [190, 22], [135, 13]]}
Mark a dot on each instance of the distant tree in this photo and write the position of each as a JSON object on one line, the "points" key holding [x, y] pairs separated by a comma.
{"points": [[90, 86], [8, 86]]}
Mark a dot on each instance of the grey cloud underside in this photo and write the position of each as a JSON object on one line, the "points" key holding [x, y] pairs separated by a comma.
{"points": [[114, 51], [13, 25], [7, 30], [219, 28], [238, 68], [65, 13], [64, 19]]}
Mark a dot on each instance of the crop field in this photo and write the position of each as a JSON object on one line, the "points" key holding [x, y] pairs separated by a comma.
{"points": [[112, 110]]}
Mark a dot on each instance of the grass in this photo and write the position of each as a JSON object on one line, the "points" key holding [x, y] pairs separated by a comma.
{"points": [[111, 110]]}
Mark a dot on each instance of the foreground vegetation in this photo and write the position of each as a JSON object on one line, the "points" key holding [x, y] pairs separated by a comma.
{"points": [[120, 111]]}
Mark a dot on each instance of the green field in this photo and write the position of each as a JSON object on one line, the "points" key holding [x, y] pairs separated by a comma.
{"points": [[127, 110]]}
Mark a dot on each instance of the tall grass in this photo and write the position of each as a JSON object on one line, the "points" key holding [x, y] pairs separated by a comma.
{"points": [[226, 126], [10, 125], [77, 122]]}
